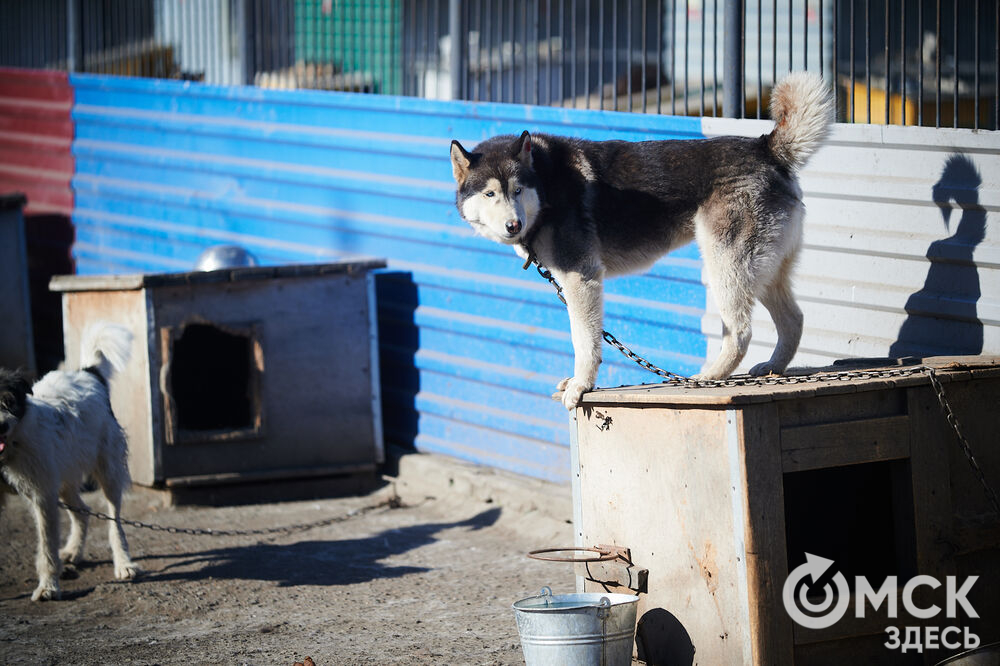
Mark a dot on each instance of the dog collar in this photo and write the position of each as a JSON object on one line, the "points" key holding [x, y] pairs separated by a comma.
{"points": [[526, 244]]}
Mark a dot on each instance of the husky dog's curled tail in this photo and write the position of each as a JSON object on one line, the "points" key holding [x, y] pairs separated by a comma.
{"points": [[802, 109], [105, 349]]}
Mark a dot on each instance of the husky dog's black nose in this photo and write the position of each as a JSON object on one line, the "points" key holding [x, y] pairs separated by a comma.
{"points": [[513, 226]]}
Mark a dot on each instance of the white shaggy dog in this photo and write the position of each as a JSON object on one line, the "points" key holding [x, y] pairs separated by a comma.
{"points": [[54, 433]]}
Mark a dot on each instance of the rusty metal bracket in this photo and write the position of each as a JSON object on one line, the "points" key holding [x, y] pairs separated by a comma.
{"points": [[612, 566], [603, 554]]}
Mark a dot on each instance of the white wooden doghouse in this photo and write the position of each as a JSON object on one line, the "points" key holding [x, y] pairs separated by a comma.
{"points": [[241, 375], [719, 492]]}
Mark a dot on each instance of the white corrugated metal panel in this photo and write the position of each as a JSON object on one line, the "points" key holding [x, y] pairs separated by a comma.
{"points": [[902, 245]]}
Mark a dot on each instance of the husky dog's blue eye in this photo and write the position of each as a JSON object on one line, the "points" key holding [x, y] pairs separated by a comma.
{"points": [[517, 191], [490, 193]]}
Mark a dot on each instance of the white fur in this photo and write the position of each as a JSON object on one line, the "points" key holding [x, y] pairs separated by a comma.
{"points": [[488, 215], [584, 292], [67, 432], [802, 109]]}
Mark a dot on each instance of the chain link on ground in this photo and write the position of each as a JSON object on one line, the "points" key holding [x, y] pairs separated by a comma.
{"points": [[391, 503], [674, 379]]}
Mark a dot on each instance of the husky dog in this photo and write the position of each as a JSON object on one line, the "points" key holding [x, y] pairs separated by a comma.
{"points": [[55, 433], [588, 210]]}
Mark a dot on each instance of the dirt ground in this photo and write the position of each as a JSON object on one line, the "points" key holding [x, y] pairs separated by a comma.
{"points": [[430, 582]]}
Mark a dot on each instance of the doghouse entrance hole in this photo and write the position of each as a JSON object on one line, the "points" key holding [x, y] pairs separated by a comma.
{"points": [[848, 515], [211, 379]]}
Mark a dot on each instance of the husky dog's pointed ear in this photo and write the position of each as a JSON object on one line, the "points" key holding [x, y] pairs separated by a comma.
{"points": [[522, 148], [461, 160]]}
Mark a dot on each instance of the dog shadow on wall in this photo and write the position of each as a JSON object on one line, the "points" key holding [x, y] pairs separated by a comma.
{"points": [[952, 285]]}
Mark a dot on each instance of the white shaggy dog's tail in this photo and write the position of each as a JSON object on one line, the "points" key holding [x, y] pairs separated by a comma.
{"points": [[106, 348], [802, 109]]}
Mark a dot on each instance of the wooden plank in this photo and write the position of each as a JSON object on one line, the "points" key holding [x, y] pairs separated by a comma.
{"points": [[931, 441], [850, 626], [66, 283], [845, 443], [831, 409], [764, 528], [131, 388], [659, 482], [950, 368], [929, 462], [139, 281]]}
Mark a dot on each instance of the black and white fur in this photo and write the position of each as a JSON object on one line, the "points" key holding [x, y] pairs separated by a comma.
{"points": [[55, 433], [593, 209]]}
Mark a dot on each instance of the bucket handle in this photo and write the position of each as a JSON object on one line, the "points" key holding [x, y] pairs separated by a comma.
{"points": [[603, 604]]}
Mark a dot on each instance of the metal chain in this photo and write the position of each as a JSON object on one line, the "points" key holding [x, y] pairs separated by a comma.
{"points": [[674, 379], [198, 531], [962, 441]]}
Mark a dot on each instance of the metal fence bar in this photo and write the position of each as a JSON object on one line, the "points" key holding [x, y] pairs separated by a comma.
{"points": [[805, 34], [760, 55], [791, 36], [702, 104], [937, 67], [836, 50], [587, 55], [628, 53], [902, 62], [687, 56], [868, 62], [673, 57], [457, 53], [732, 106], [821, 52], [614, 56], [975, 121], [954, 42], [920, 64], [497, 47], [774, 41], [715, 58], [888, 65]]}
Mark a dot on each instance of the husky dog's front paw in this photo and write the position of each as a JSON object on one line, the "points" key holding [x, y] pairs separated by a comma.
{"points": [[572, 391], [46, 592], [762, 369]]}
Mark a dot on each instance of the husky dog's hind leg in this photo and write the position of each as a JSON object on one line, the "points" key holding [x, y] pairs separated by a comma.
{"points": [[780, 303]]}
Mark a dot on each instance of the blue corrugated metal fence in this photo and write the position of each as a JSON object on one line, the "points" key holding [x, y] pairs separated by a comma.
{"points": [[471, 346]]}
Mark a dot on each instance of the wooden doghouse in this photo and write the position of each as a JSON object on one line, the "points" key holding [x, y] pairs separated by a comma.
{"points": [[720, 492], [241, 375]]}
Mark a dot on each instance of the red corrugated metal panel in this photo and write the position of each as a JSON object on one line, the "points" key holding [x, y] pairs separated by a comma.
{"points": [[36, 134]]}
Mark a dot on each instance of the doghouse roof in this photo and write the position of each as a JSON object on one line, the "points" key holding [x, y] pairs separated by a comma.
{"points": [[145, 280]]}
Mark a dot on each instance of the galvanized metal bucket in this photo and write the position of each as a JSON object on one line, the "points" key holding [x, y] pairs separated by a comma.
{"points": [[586, 629], [987, 655]]}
